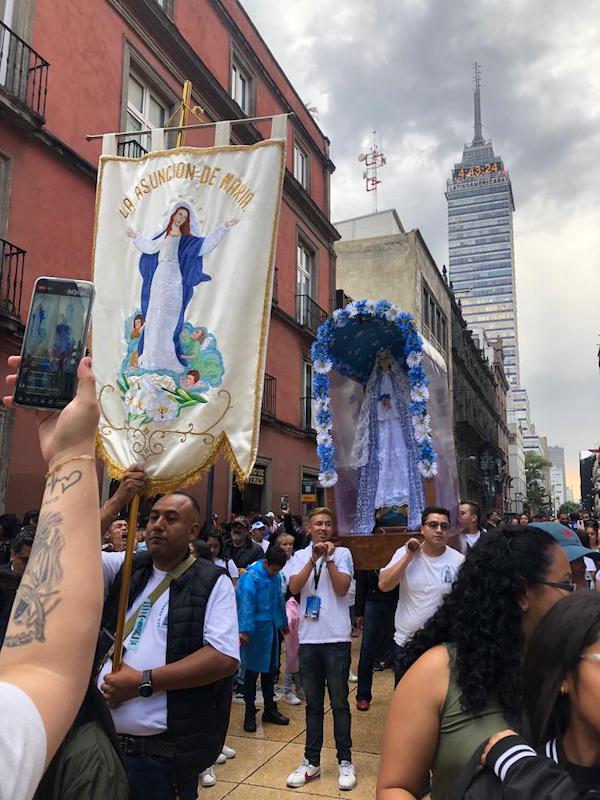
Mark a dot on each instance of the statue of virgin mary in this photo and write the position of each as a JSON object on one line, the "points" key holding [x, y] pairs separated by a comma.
{"points": [[385, 452], [171, 265]]}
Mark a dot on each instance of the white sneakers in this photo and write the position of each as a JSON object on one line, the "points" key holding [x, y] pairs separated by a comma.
{"points": [[228, 752], [221, 759], [208, 777], [291, 699], [347, 779], [303, 774], [307, 772]]}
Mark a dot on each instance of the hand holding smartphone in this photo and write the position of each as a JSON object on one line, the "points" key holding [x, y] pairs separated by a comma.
{"points": [[54, 343]]}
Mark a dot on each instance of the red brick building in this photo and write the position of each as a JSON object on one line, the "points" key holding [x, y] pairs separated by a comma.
{"points": [[68, 69]]}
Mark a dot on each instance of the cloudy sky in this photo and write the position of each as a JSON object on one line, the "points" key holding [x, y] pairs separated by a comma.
{"points": [[404, 68]]}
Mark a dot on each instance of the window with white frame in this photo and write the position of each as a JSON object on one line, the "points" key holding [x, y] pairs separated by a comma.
{"points": [[241, 86], [307, 390], [301, 165], [145, 109], [305, 284]]}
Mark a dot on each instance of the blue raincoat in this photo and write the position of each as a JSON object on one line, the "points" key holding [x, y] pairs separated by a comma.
{"points": [[261, 614]]}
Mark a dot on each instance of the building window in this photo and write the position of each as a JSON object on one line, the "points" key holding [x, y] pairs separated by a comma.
{"points": [[5, 173], [301, 166], [145, 109], [305, 285], [242, 85], [312, 494], [306, 400], [435, 325]]}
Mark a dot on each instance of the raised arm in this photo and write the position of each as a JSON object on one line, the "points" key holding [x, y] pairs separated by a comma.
{"points": [[143, 244], [49, 644], [213, 240], [133, 482], [394, 573]]}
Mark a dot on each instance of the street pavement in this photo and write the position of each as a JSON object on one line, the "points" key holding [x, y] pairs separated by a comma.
{"points": [[265, 758]]}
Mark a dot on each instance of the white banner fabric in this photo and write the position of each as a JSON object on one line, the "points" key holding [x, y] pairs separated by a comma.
{"points": [[183, 267]]}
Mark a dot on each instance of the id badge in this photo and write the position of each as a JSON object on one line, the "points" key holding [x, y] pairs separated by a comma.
{"points": [[313, 607]]}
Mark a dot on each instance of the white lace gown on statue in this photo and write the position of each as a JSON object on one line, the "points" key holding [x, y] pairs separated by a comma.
{"points": [[164, 306], [393, 482]]}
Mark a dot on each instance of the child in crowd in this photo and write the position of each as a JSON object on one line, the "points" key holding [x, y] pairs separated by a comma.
{"points": [[291, 643]]}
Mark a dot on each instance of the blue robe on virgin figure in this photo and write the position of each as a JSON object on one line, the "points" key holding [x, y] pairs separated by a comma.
{"points": [[261, 614], [191, 267]]}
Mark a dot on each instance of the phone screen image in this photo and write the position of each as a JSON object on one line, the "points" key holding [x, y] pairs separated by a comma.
{"points": [[54, 343]]}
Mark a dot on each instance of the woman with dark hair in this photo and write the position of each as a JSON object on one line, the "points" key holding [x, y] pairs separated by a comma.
{"points": [[214, 540], [462, 678], [561, 679]]}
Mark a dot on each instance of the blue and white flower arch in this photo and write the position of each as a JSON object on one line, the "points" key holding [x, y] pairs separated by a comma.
{"points": [[410, 354]]}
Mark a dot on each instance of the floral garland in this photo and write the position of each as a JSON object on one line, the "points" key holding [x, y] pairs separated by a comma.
{"points": [[324, 362]]}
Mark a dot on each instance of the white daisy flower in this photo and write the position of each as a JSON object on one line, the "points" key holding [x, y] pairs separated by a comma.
{"points": [[427, 469], [328, 479], [392, 313], [352, 309], [323, 366], [419, 393], [324, 437], [414, 359]]}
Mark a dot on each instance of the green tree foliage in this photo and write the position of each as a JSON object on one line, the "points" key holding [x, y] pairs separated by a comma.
{"points": [[537, 494], [568, 507]]}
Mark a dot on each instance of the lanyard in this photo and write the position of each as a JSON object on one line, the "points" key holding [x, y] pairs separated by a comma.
{"points": [[317, 575]]}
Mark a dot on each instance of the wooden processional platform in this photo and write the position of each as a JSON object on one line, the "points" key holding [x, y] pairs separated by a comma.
{"points": [[374, 550]]}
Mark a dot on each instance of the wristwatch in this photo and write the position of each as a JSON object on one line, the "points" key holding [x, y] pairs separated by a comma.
{"points": [[145, 689], [329, 559]]}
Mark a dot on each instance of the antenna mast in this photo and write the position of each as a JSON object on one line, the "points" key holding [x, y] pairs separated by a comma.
{"points": [[373, 160], [477, 127]]}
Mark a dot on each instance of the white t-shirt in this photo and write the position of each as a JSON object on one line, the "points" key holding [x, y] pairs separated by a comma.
{"points": [[146, 645], [333, 624], [264, 544], [472, 538], [231, 567], [425, 583], [22, 744]]}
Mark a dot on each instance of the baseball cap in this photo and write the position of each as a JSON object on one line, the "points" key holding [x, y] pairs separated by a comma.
{"points": [[258, 524], [270, 514], [240, 521], [567, 539]]}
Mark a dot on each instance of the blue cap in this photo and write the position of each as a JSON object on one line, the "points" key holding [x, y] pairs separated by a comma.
{"points": [[567, 539]]}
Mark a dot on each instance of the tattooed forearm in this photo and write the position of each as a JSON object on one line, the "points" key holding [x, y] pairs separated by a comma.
{"points": [[39, 592], [58, 485]]}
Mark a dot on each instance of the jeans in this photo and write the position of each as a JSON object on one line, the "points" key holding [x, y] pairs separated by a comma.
{"points": [[267, 681], [319, 664], [378, 620], [153, 778], [398, 663]]}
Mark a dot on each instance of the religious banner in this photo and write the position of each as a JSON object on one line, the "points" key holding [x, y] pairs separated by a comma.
{"points": [[183, 268]]}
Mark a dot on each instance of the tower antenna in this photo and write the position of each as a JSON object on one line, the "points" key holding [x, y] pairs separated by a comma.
{"points": [[373, 160], [477, 127]]}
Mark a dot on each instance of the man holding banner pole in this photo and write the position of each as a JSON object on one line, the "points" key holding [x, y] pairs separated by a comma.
{"points": [[170, 699]]}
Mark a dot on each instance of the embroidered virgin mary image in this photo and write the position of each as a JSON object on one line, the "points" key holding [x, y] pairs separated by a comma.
{"points": [[172, 267], [171, 362]]}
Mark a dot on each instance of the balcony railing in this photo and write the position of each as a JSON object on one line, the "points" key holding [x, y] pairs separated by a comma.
{"points": [[12, 267], [269, 401], [131, 148], [306, 415], [23, 72], [308, 313]]}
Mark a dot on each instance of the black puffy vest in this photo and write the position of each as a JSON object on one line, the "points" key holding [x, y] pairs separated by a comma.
{"points": [[197, 719]]}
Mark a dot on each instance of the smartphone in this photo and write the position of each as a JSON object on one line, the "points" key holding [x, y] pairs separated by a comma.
{"points": [[284, 503], [54, 343]]}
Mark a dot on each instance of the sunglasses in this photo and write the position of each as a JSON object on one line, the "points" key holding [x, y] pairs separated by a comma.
{"points": [[435, 525], [566, 587]]}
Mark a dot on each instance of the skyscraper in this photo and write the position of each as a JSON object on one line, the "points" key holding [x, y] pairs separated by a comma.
{"points": [[480, 237]]}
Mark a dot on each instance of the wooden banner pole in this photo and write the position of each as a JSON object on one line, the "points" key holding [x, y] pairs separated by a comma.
{"points": [[185, 103], [124, 595]]}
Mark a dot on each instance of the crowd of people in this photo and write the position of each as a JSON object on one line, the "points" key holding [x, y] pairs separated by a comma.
{"points": [[496, 657]]}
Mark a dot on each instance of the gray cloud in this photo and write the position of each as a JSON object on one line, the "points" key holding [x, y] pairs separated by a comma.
{"points": [[404, 68]]}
